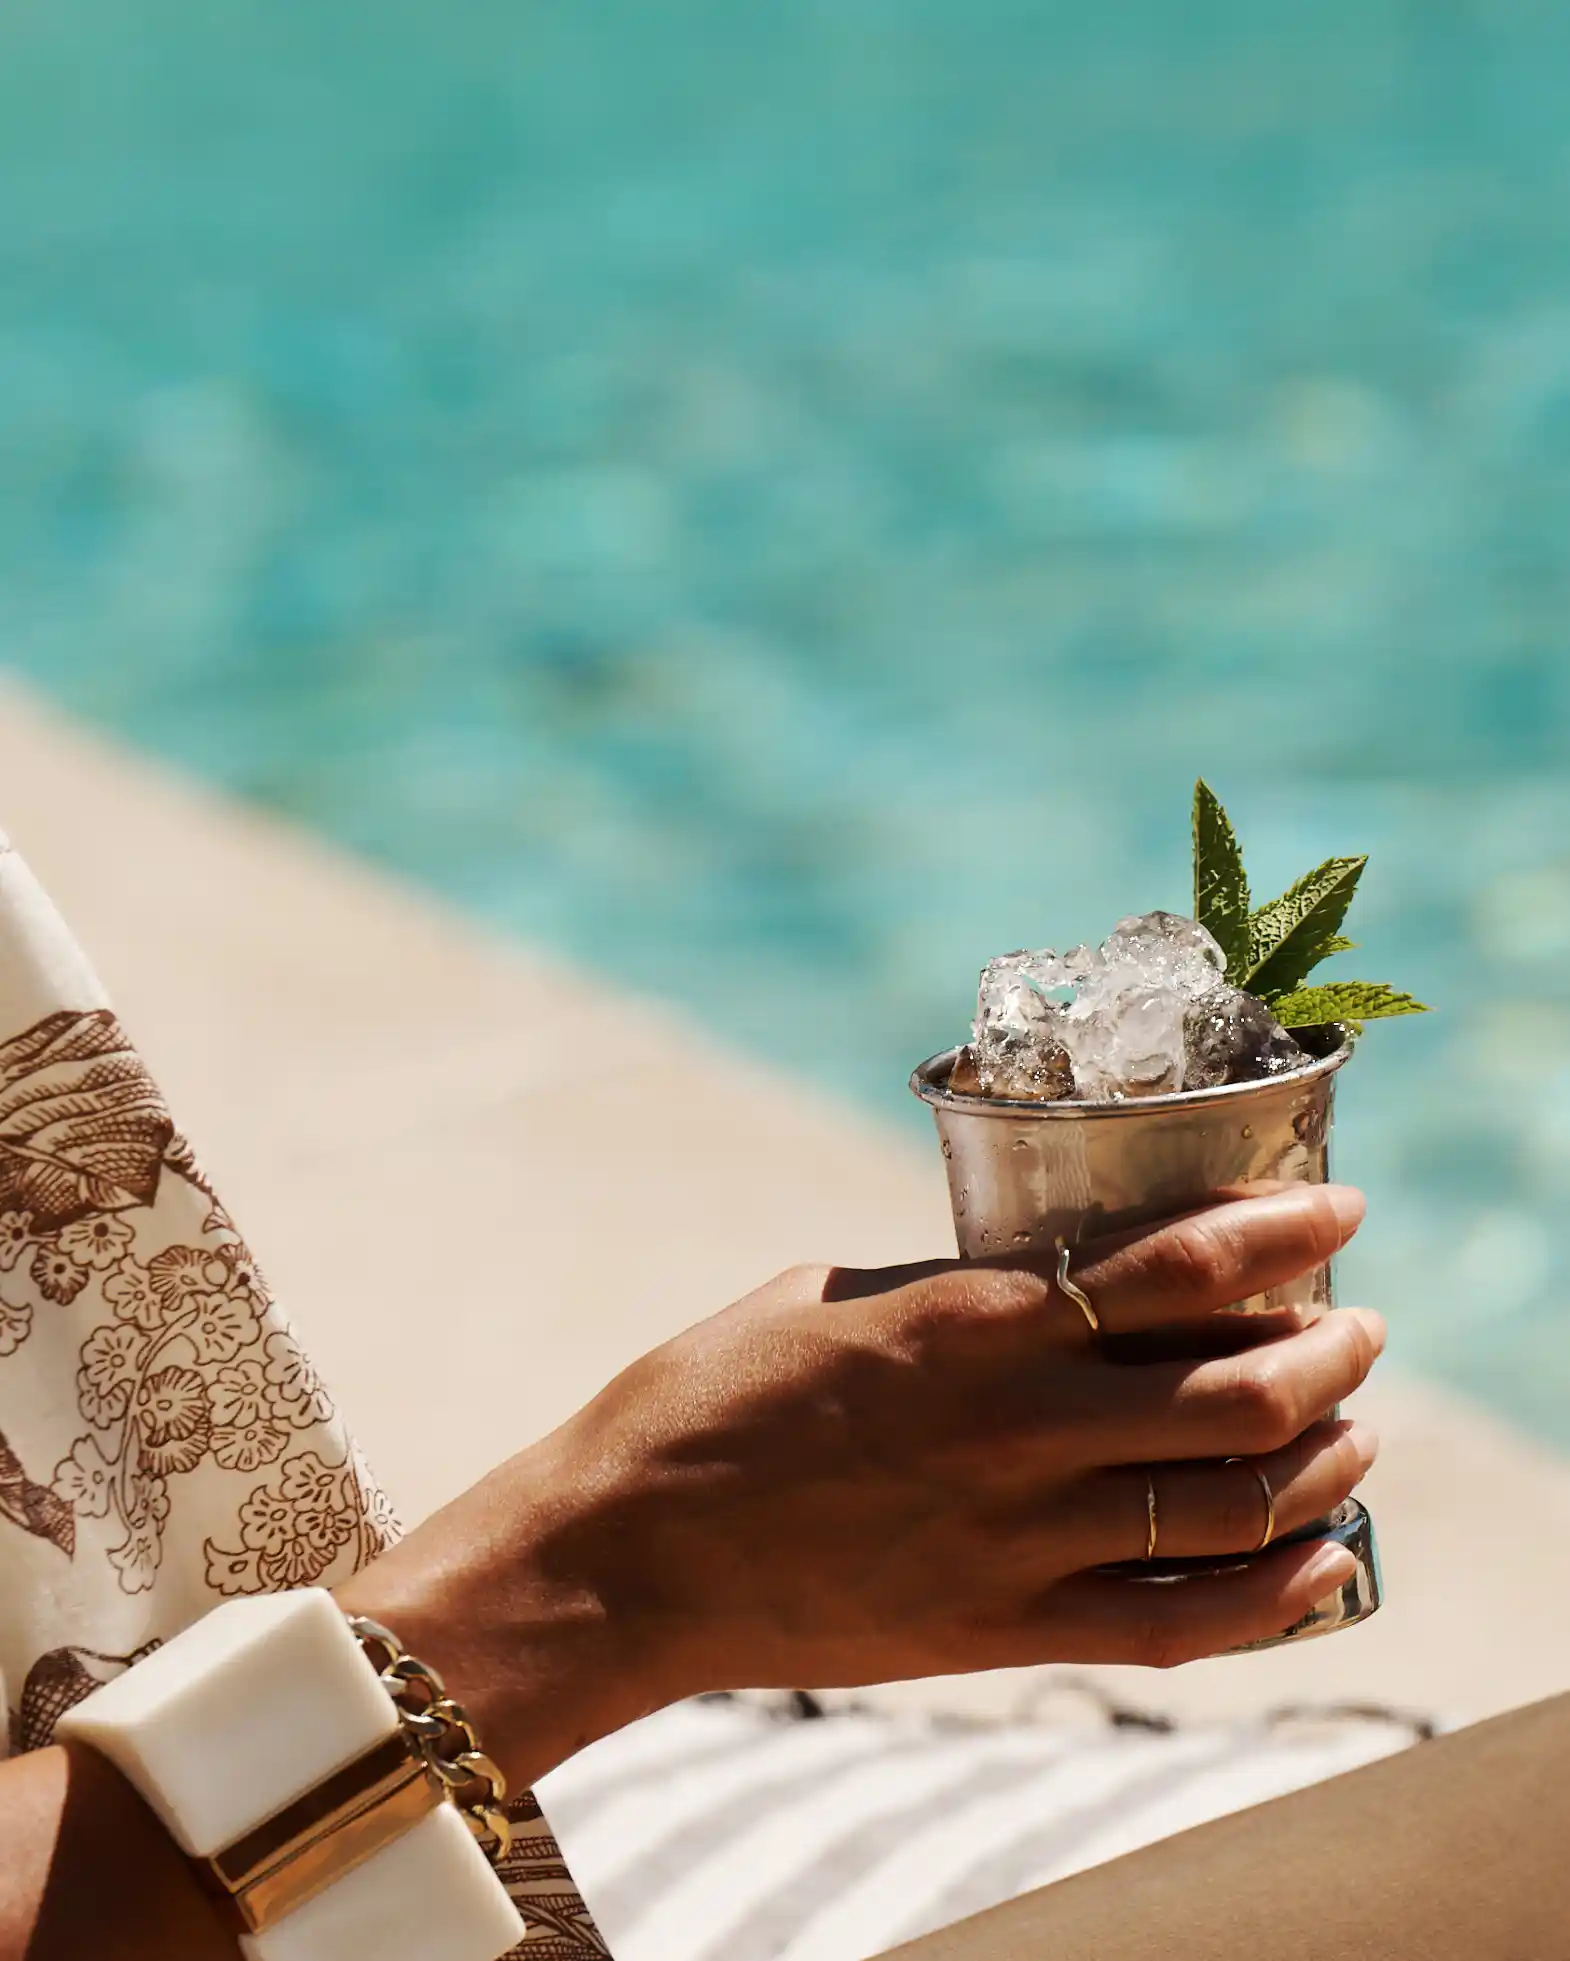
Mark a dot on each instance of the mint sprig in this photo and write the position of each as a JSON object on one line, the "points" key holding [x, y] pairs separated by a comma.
{"points": [[1271, 950], [1220, 882], [1288, 938], [1311, 1007]]}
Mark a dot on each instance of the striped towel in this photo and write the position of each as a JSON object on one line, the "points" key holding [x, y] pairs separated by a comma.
{"points": [[719, 1831]]}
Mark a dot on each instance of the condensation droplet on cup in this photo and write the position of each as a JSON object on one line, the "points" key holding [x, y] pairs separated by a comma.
{"points": [[948, 1148], [1248, 1131], [1022, 1143], [1022, 1239]]}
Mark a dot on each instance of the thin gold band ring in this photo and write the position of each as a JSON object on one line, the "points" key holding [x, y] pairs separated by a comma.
{"points": [[1270, 1508], [1075, 1293], [1150, 1514], [1270, 1501]]}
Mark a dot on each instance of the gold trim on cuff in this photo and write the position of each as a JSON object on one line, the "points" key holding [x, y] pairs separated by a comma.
{"points": [[347, 1819]]}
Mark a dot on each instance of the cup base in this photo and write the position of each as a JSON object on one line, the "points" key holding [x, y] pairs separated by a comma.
{"points": [[1356, 1600]]}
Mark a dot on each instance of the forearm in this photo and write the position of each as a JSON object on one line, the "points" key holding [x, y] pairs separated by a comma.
{"points": [[86, 1869], [487, 1592], [511, 1595]]}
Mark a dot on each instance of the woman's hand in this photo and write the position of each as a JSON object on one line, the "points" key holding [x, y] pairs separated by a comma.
{"points": [[852, 1477]]}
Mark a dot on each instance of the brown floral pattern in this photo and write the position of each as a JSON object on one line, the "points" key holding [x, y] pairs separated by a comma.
{"points": [[560, 1926], [16, 1238], [193, 1402], [184, 1367], [16, 1324], [129, 1291], [83, 1127], [56, 1682], [57, 1275], [294, 1526], [31, 1506], [97, 1242]]}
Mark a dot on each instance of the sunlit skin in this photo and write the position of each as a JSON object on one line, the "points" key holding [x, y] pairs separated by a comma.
{"points": [[846, 1477]]}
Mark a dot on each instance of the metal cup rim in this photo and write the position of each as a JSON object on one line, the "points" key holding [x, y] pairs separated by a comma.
{"points": [[929, 1081]]}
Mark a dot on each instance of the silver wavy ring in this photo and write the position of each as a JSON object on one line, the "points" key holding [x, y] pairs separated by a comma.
{"points": [[1075, 1293]]}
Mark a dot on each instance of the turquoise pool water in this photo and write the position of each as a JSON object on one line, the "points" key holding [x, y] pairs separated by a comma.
{"points": [[780, 502]]}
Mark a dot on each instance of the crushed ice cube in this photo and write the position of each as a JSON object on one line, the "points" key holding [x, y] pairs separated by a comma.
{"points": [[965, 1075], [1017, 1045], [1147, 1013], [1232, 1038], [1167, 951], [1127, 1040]]}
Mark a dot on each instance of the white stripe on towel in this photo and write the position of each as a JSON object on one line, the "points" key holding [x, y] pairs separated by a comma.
{"points": [[716, 1832], [702, 1911]]}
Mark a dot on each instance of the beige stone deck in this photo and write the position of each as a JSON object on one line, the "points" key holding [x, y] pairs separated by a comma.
{"points": [[483, 1183]]}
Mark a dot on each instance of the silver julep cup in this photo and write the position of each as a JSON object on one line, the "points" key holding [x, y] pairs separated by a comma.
{"points": [[1022, 1176]]}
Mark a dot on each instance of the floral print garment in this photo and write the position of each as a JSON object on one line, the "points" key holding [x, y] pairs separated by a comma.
{"points": [[164, 1439]]}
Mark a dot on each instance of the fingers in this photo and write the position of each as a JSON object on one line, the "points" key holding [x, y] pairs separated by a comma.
{"points": [[1216, 1258], [1161, 1277], [1099, 1617], [1245, 1405], [1203, 1510]]}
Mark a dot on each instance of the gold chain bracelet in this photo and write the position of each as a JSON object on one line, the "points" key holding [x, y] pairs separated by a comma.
{"points": [[442, 1734]]}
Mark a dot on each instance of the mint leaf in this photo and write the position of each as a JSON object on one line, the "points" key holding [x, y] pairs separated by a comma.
{"points": [[1220, 883], [1289, 937], [1272, 951], [1311, 1007]]}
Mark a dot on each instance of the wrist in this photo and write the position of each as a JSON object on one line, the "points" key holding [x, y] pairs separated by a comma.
{"points": [[279, 1748], [535, 1639], [88, 1868]]}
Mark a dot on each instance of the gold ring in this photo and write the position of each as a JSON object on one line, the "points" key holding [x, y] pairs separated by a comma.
{"points": [[1076, 1294], [1150, 1514], [1270, 1502]]}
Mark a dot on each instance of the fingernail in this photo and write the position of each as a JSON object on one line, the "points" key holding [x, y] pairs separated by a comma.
{"points": [[1349, 1206], [1331, 1567], [1364, 1439], [1373, 1322]]}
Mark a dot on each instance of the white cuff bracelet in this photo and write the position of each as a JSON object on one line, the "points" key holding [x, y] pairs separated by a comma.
{"points": [[270, 1747]]}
